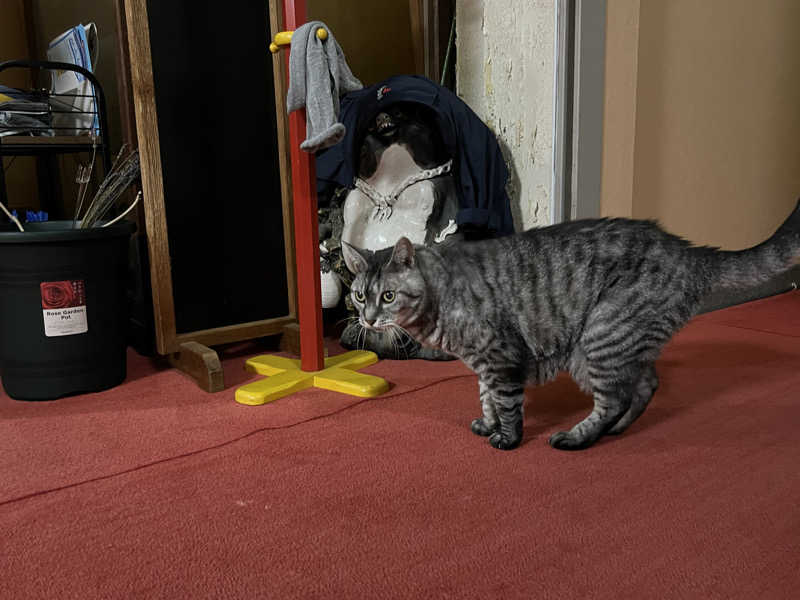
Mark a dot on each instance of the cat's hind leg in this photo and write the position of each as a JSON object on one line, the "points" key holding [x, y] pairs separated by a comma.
{"points": [[613, 394], [645, 388]]}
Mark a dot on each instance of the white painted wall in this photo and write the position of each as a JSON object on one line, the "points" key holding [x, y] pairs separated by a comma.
{"points": [[504, 72]]}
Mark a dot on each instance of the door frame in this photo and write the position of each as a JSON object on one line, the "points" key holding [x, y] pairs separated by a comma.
{"points": [[579, 94]]}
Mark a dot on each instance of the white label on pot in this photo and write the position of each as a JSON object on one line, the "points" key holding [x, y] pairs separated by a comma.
{"points": [[64, 307]]}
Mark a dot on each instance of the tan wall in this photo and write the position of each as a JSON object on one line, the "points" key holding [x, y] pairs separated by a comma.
{"points": [[619, 122], [375, 36], [20, 171], [13, 42], [49, 18], [711, 144]]}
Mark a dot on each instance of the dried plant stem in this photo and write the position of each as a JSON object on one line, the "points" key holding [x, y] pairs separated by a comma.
{"points": [[14, 219]]}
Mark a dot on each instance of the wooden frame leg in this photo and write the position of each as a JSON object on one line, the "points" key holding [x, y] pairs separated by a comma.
{"points": [[290, 340], [201, 363]]}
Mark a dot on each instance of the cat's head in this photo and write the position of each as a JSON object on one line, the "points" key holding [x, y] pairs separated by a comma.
{"points": [[389, 289]]}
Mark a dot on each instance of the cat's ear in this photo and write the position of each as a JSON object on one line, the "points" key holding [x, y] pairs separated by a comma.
{"points": [[403, 253], [357, 261]]}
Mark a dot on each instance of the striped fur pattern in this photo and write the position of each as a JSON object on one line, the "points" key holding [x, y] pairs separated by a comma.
{"points": [[597, 298]]}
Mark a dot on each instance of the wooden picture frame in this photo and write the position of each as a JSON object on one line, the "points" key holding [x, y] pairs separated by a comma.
{"points": [[190, 350]]}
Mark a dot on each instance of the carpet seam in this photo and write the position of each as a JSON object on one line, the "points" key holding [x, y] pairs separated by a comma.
{"points": [[789, 335], [225, 443]]}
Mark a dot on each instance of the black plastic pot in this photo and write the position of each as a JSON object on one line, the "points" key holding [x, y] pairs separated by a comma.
{"points": [[63, 309]]}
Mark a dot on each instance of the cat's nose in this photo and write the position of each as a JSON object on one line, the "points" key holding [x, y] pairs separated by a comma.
{"points": [[370, 322]]}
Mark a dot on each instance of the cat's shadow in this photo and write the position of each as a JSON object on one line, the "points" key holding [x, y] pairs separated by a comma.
{"points": [[691, 373], [553, 404]]}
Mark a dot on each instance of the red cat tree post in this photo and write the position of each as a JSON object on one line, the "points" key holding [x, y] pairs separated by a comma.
{"points": [[306, 227], [284, 375]]}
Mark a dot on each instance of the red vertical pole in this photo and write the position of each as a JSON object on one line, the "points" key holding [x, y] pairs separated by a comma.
{"points": [[306, 226]]}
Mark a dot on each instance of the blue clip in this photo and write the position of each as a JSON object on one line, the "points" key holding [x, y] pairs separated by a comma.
{"points": [[35, 217]]}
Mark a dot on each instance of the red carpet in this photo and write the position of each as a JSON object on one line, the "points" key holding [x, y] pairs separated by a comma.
{"points": [[158, 490]]}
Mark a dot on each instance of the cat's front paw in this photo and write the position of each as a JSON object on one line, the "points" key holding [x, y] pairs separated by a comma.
{"points": [[565, 440], [479, 427], [504, 442]]}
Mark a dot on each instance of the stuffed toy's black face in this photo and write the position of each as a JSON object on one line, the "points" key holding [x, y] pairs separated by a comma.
{"points": [[408, 124]]}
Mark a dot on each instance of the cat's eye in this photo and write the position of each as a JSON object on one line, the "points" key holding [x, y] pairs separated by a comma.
{"points": [[389, 297], [359, 296]]}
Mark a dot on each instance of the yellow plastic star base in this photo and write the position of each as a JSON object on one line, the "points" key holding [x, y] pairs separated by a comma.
{"points": [[284, 377]]}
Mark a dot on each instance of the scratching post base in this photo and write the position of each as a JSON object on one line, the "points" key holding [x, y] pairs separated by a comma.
{"points": [[284, 376]]}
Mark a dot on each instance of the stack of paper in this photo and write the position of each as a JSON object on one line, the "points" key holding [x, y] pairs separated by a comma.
{"points": [[72, 98], [23, 113]]}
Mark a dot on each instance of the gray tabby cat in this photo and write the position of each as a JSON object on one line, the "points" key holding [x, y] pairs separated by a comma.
{"points": [[598, 298]]}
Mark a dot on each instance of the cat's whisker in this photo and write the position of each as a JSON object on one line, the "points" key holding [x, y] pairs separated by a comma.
{"points": [[346, 320], [408, 335], [398, 331], [393, 335], [387, 335], [363, 337], [403, 342]]}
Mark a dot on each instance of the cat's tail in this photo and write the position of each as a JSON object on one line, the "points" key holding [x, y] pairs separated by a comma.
{"points": [[744, 268]]}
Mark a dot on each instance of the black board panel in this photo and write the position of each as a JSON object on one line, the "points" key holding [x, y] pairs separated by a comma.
{"points": [[214, 95]]}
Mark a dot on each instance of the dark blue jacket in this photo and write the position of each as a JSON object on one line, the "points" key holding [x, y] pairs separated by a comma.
{"points": [[479, 170]]}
